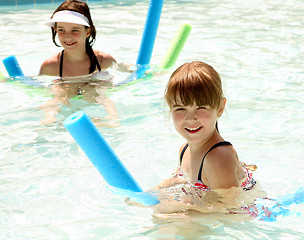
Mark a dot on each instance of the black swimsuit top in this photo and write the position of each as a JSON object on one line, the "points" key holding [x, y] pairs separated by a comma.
{"points": [[61, 64], [199, 177]]}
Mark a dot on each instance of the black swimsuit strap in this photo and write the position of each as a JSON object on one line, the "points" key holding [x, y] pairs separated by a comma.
{"points": [[182, 154], [61, 64], [199, 177], [224, 143]]}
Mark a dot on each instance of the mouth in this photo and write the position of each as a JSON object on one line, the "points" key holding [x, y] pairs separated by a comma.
{"points": [[193, 130], [69, 44]]}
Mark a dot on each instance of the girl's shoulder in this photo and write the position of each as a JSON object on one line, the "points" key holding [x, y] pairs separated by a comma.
{"points": [[51, 65], [223, 157], [105, 60], [221, 168], [55, 59]]}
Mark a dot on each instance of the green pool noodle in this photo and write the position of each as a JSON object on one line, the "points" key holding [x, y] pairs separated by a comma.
{"points": [[176, 46], [1, 76]]}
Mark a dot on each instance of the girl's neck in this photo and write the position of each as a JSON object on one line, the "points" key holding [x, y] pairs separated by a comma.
{"points": [[77, 55], [205, 145]]}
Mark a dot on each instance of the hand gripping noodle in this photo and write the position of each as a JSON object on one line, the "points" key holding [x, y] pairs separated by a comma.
{"points": [[104, 159]]}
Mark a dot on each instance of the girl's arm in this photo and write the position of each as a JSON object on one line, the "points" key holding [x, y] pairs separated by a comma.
{"points": [[106, 61]]}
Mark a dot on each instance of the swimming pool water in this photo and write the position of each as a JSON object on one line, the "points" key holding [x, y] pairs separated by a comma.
{"points": [[50, 190]]}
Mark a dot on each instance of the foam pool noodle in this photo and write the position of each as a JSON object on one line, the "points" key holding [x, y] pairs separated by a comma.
{"points": [[12, 66], [104, 159], [176, 46], [150, 31], [293, 198], [1, 76], [147, 42], [269, 209]]}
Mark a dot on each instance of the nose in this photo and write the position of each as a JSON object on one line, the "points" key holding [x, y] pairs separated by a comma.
{"points": [[67, 35], [191, 115]]}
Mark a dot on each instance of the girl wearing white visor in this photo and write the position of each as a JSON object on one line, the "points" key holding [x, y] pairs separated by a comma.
{"points": [[76, 33]]}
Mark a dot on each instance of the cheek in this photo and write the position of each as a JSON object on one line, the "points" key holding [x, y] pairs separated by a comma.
{"points": [[207, 114], [76, 35], [60, 35], [203, 115], [178, 116], [208, 118]]}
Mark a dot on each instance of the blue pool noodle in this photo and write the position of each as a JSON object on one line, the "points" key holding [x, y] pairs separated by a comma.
{"points": [[99, 152], [293, 198], [147, 42], [270, 209], [104, 159], [12, 66], [149, 34]]}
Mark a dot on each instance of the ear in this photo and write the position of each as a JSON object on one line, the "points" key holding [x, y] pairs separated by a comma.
{"points": [[221, 107], [88, 30]]}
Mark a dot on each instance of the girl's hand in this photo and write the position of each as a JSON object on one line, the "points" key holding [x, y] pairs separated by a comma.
{"points": [[170, 182]]}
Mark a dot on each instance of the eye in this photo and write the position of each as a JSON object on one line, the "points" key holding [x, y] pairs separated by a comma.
{"points": [[60, 30], [201, 107], [177, 109], [75, 31]]}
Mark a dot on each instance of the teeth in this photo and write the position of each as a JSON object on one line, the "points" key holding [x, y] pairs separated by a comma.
{"points": [[69, 44], [193, 129]]}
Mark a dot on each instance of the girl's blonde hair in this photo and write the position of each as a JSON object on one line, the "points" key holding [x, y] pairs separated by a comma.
{"points": [[195, 82]]}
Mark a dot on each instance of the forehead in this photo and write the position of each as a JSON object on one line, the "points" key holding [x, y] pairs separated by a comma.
{"points": [[69, 25]]}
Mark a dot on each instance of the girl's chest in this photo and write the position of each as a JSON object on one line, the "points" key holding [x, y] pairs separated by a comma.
{"points": [[191, 168], [75, 69]]}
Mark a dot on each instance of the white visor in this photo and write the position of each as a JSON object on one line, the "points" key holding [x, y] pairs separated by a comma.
{"points": [[68, 17]]}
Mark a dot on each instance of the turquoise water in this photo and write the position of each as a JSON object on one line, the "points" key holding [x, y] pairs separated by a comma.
{"points": [[50, 190]]}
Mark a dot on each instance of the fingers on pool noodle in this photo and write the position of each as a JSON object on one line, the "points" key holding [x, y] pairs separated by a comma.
{"points": [[99, 152], [139, 73], [176, 46], [150, 31], [12, 67]]}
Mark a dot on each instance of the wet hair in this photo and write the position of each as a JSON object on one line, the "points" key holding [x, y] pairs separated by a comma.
{"points": [[194, 82], [83, 8]]}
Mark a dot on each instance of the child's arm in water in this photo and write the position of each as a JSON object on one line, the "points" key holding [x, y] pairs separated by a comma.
{"points": [[91, 93], [176, 179]]}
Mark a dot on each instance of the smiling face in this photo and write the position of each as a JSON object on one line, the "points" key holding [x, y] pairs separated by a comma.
{"points": [[195, 123], [195, 97], [71, 35]]}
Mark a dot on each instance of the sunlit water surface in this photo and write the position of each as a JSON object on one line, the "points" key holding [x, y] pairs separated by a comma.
{"points": [[50, 190]]}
